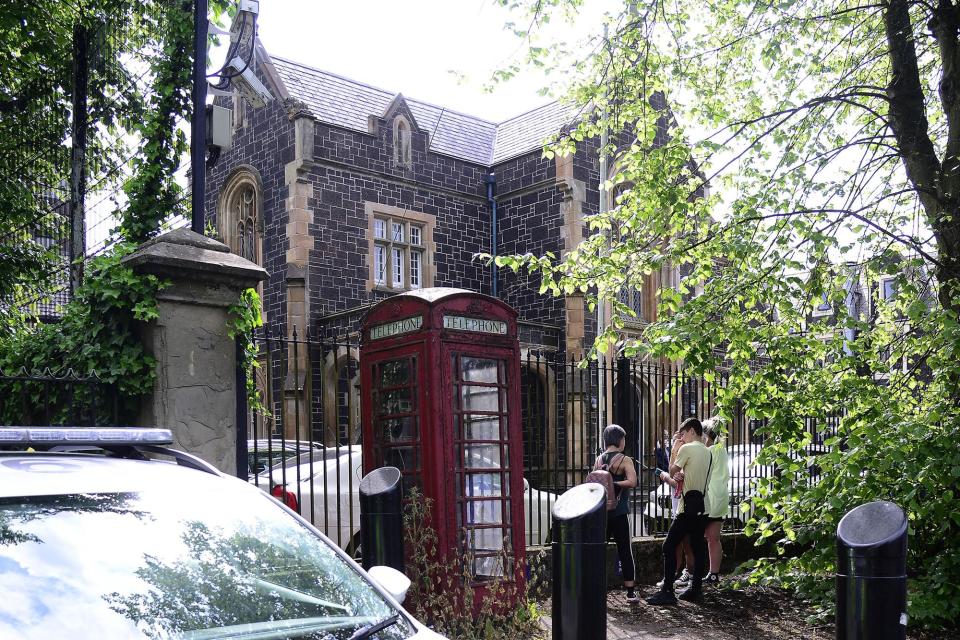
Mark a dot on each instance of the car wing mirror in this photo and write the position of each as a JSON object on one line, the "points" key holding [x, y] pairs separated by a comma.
{"points": [[391, 580]]}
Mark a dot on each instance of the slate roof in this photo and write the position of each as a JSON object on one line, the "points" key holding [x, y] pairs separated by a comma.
{"points": [[347, 103]]}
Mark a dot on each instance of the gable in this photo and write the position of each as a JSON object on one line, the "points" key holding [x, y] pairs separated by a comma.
{"points": [[346, 103], [398, 107]]}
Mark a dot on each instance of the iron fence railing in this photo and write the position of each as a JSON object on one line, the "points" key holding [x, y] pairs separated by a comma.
{"points": [[310, 391], [56, 397], [305, 435]]}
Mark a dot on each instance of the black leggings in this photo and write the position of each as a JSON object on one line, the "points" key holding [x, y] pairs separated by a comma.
{"points": [[684, 525], [618, 528]]}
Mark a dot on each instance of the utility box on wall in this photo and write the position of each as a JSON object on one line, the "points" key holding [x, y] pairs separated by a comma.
{"points": [[441, 402]]}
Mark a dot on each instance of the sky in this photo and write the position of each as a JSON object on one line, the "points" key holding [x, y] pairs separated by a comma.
{"points": [[412, 46]]}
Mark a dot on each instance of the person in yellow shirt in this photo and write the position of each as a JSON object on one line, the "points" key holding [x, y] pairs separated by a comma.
{"points": [[692, 466]]}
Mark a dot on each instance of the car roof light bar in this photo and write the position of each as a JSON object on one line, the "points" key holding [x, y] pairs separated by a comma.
{"points": [[52, 436]]}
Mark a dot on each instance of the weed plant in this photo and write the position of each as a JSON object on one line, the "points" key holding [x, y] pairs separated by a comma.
{"points": [[442, 594]]}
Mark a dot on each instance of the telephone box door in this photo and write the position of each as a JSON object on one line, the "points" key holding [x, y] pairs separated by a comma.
{"points": [[480, 483], [397, 412]]}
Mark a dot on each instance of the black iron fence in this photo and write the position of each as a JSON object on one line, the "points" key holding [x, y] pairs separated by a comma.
{"points": [[60, 397], [310, 392]]}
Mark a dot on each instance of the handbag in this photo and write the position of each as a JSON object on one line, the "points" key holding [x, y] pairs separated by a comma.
{"points": [[694, 502]]}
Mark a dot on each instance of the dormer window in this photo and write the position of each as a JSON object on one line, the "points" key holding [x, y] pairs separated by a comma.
{"points": [[402, 154]]}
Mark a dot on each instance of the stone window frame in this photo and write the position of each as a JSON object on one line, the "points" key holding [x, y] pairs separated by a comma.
{"points": [[633, 294], [391, 214], [402, 142], [241, 178]]}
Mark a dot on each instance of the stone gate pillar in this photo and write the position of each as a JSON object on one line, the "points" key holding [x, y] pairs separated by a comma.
{"points": [[195, 390]]}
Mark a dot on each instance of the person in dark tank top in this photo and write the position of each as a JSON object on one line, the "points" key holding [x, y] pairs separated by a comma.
{"points": [[624, 475]]}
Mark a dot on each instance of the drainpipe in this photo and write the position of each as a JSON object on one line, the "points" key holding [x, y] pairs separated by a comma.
{"points": [[601, 306], [492, 200]]}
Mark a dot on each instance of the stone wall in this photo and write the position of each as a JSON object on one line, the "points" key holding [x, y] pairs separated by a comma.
{"points": [[196, 387]]}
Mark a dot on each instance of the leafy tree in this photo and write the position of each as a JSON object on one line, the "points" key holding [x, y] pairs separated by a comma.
{"points": [[828, 137], [139, 56]]}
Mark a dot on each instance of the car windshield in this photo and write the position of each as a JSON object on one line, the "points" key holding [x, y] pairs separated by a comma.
{"points": [[157, 565]]}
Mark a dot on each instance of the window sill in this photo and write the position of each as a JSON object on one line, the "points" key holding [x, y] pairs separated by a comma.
{"points": [[382, 288]]}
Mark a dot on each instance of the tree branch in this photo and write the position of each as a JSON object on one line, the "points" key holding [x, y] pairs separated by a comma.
{"points": [[908, 118]]}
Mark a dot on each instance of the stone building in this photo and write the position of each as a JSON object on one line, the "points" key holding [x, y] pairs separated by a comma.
{"points": [[346, 193]]}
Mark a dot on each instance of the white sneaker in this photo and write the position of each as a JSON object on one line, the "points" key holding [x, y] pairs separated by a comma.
{"points": [[684, 580]]}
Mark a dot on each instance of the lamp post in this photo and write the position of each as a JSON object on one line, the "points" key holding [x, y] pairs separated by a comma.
{"points": [[198, 124]]}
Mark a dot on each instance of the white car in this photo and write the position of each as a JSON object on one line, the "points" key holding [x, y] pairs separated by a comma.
{"points": [[106, 543], [324, 487], [264, 453], [743, 476]]}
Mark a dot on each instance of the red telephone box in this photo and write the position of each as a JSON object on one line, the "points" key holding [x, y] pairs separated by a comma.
{"points": [[440, 373]]}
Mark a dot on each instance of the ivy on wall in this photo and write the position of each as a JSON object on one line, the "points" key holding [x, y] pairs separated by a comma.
{"points": [[97, 335]]}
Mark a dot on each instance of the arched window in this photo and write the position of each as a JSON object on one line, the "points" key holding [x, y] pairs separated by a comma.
{"points": [[240, 216], [402, 154]]}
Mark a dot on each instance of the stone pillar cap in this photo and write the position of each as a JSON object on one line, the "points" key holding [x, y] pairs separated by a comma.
{"points": [[183, 254]]}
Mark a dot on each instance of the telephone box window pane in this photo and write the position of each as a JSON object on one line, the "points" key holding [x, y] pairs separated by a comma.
{"points": [[410, 481], [483, 484], [479, 370], [492, 566], [395, 401], [397, 373], [403, 458], [482, 456], [485, 512], [480, 428], [474, 398], [399, 429]]}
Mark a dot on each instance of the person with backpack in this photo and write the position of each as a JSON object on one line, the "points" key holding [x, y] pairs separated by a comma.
{"points": [[624, 477], [693, 462]]}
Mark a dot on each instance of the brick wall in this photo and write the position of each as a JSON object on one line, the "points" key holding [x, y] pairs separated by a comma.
{"points": [[266, 144], [353, 168], [529, 220]]}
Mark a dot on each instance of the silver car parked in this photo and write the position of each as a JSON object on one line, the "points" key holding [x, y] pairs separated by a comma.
{"points": [[106, 544]]}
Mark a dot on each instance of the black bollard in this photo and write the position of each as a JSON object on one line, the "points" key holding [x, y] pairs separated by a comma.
{"points": [[580, 564], [872, 573], [381, 519]]}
